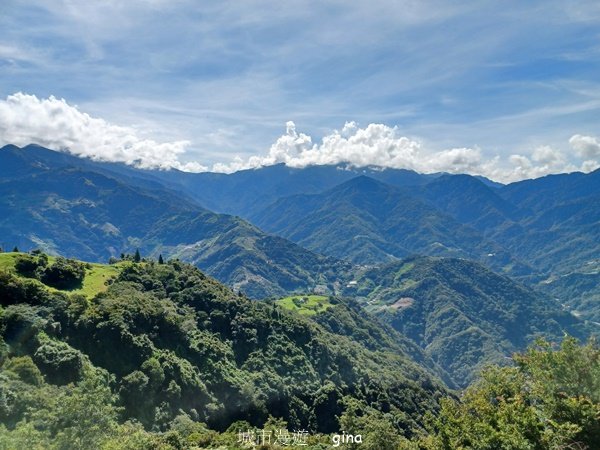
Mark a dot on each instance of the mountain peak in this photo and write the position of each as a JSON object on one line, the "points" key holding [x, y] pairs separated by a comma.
{"points": [[9, 148], [363, 183]]}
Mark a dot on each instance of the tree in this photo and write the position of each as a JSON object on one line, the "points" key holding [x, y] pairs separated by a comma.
{"points": [[26, 369], [82, 416], [160, 259], [550, 400], [137, 258], [16, 249], [64, 274], [26, 265], [42, 259]]}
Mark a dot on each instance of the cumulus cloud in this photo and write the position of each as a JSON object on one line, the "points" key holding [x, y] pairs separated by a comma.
{"points": [[544, 160], [375, 145], [588, 149], [383, 146], [53, 123]]}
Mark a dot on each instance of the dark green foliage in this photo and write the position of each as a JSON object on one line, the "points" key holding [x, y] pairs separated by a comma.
{"points": [[550, 400], [80, 417], [375, 427], [25, 369], [64, 274], [136, 257], [28, 266], [160, 259], [177, 342], [16, 290], [60, 363]]}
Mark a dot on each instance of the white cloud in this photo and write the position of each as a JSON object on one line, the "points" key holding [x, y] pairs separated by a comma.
{"points": [[53, 123], [12, 53], [376, 145], [456, 160], [383, 146], [544, 160], [587, 147]]}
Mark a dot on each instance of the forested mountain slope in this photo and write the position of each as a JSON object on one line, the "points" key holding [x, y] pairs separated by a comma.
{"points": [[172, 341], [463, 315], [370, 222]]}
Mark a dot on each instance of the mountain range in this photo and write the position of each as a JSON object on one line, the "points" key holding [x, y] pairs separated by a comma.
{"points": [[380, 223], [467, 269]]}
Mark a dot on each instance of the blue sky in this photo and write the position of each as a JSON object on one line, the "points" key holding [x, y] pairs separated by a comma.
{"points": [[498, 78]]}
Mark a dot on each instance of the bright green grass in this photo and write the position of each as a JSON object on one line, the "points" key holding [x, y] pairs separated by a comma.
{"points": [[96, 279], [307, 305], [7, 261], [96, 276]]}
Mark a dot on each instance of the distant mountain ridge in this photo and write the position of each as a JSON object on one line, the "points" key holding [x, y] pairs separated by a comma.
{"points": [[536, 230], [242, 193], [458, 312], [380, 223]]}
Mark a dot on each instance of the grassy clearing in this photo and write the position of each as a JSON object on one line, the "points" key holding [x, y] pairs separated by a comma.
{"points": [[96, 279], [96, 275], [307, 305], [7, 260]]}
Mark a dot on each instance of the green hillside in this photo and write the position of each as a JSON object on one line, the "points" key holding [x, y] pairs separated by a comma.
{"points": [[97, 276], [167, 358], [164, 343], [463, 315]]}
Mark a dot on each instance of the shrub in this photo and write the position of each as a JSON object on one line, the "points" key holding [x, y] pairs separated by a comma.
{"points": [[60, 362], [26, 265], [26, 369], [64, 274]]}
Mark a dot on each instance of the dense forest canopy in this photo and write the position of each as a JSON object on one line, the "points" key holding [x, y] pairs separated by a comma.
{"points": [[161, 356], [163, 341]]}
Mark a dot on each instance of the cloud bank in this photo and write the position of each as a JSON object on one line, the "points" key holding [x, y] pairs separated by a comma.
{"points": [[383, 146], [53, 123]]}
